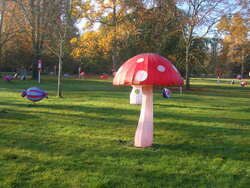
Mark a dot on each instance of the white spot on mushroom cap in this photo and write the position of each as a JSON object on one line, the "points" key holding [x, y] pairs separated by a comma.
{"points": [[140, 60], [141, 76], [161, 68]]}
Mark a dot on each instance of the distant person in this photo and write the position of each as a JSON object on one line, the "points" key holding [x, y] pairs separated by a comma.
{"points": [[218, 79], [23, 73], [79, 72]]}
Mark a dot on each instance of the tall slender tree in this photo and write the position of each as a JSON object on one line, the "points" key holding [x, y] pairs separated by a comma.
{"points": [[60, 29], [197, 19]]}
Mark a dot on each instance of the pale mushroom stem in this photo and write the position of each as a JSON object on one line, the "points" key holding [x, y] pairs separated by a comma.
{"points": [[144, 132]]}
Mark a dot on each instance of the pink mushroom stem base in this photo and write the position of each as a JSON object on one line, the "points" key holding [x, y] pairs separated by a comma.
{"points": [[144, 132]]}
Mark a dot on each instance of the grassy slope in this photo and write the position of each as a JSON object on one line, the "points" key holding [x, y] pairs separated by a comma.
{"points": [[202, 139]]}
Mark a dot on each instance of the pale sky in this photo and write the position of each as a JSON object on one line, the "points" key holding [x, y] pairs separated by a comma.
{"points": [[232, 9]]}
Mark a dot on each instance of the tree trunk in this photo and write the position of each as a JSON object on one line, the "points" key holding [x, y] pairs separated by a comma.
{"points": [[114, 45], [2, 5], [1, 53], [242, 69], [34, 65], [242, 66], [37, 33], [114, 56], [187, 76], [59, 89]]}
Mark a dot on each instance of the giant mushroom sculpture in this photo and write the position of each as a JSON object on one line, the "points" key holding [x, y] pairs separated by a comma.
{"points": [[147, 70]]}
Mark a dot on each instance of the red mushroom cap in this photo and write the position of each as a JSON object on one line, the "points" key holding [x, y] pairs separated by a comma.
{"points": [[148, 69]]}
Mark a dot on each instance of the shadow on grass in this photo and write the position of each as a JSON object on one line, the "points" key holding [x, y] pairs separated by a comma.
{"points": [[107, 112], [246, 110], [212, 150], [187, 107], [15, 115], [106, 85], [75, 145], [113, 114], [208, 141], [116, 111]]}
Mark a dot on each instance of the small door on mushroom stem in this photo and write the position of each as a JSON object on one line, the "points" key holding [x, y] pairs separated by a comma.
{"points": [[166, 93], [136, 95]]}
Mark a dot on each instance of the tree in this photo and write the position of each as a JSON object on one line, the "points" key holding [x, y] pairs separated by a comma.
{"points": [[236, 39], [142, 27], [244, 8], [156, 25], [60, 29], [215, 65], [110, 13], [2, 16], [36, 13], [197, 18], [8, 27]]}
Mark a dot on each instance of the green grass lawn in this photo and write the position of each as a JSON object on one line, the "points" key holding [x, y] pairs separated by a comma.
{"points": [[201, 139]]}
